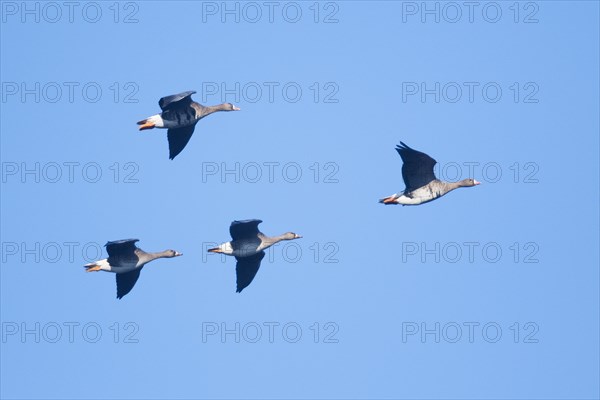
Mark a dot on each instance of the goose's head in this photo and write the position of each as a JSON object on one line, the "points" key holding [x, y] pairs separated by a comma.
{"points": [[469, 182], [291, 236], [172, 253], [231, 107]]}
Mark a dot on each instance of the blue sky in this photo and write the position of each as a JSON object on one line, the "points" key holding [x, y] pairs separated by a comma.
{"points": [[490, 292]]}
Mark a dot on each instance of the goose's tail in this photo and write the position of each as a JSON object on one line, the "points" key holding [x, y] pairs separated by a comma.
{"points": [[92, 267], [146, 124], [224, 248], [154, 121], [101, 265], [389, 200]]}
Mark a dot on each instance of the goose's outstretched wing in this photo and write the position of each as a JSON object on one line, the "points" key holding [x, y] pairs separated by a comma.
{"points": [[245, 229], [122, 252], [126, 282], [246, 269], [178, 139], [417, 167], [176, 100]]}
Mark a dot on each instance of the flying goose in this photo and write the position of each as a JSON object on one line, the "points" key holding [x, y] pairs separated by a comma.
{"points": [[248, 247], [180, 115], [126, 260], [421, 184]]}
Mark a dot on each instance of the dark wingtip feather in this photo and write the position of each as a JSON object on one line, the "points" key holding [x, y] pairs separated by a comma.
{"points": [[403, 147], [121, 241], [247, 221]]}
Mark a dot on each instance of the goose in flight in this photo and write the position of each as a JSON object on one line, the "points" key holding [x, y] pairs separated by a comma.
{"points": [[126, 260], [179, 115], [421, 184], [248, 246]]}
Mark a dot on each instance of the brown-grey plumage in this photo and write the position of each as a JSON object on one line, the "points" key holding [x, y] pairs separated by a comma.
{"points": [[179, 115], [421, 184], [126, 260], [248, 246]]}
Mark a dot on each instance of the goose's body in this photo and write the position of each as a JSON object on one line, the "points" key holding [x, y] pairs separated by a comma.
{"points": [[126, 260], [421, 184], [248, 247], [179, 115]]}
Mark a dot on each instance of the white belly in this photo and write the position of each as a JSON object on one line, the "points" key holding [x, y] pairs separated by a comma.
{"points": [[157, 121], [226, 248], [418, 196], [409, 201]]}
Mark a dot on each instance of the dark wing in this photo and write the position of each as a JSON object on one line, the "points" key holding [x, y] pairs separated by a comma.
{"points": [[417, 170], [176, 100], [244, 229], [178, 139], [246, 269], [121, 251], [126, 282]]}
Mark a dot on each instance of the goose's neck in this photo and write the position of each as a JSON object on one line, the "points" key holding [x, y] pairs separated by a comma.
{"points": [[207, 110], [147, 257], [271, 240], [451, 185]]}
